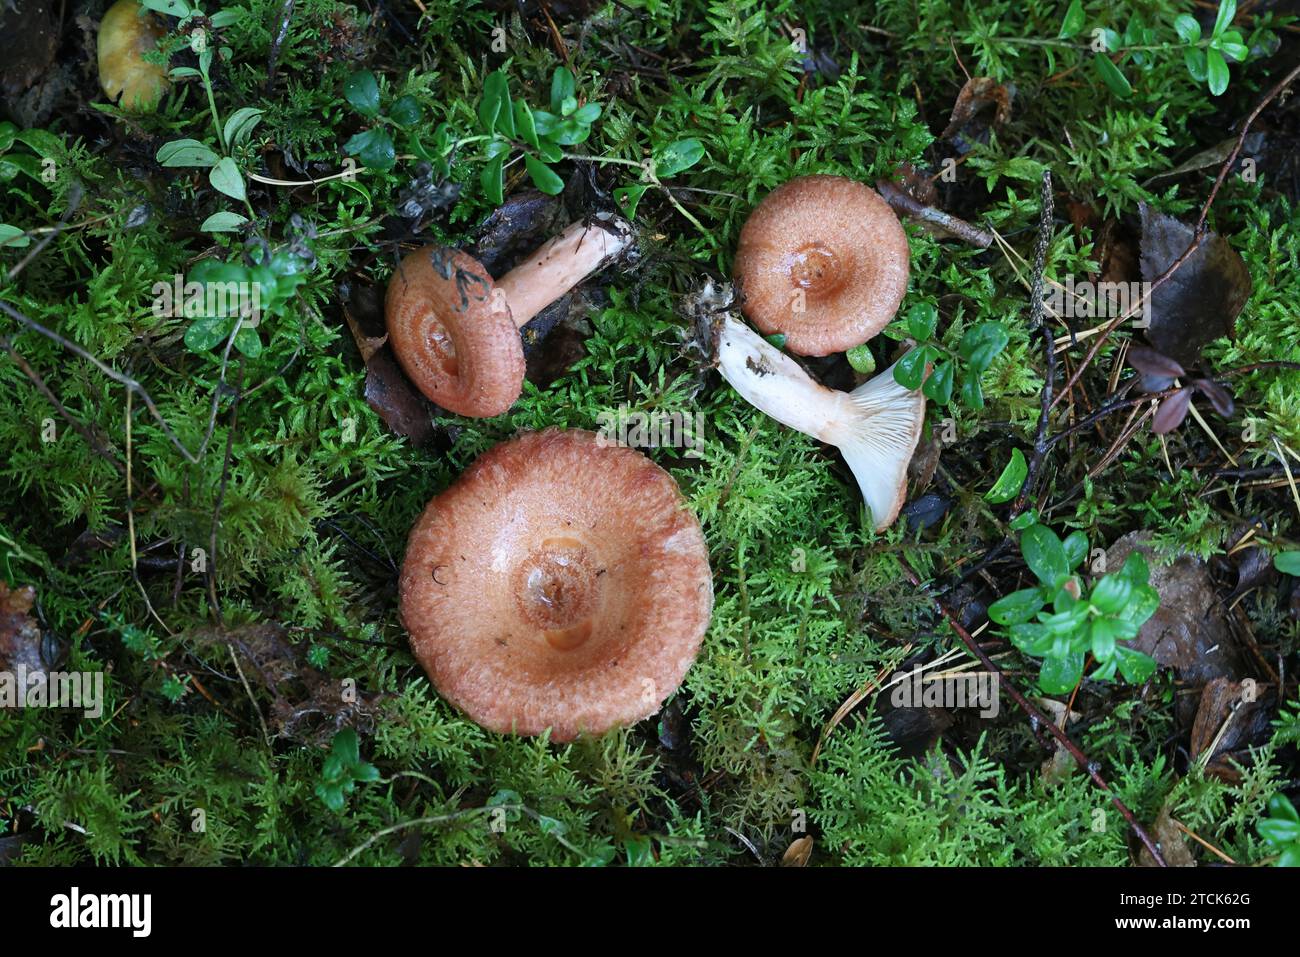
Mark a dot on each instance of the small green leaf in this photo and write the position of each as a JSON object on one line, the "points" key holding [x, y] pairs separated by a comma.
{"points": [[406, 111], [226, 178], [1227, 13], [678, 157], [1187, 28], [938, 387], [570, 133], [562, 88], [1010, 481], [223, 222], [1112, 594], [981, 344], [629, 197], [545, 123], [972, 393], [186, 153], [1059, 675], [550, 153], [1135, 569], [1023, 520], [1134, 665], [1110, 75], [861, 359], [492, 180], [11, 237], [374, 147], [1074, 20], [506, 115], [1216, 71], [14, 163], [1279, 832], [1044, 554], [1288, 563], [922, 317], [1194, 60], [1016, 608], [543, 176], [1282, 809], [909, 371], [524, 124], [361, 89], [496, 94], [41, 142], [8, 133], [587, 114], [207, 331], [240, 124], [1076, 548], [248, 342], [1102, 636], [1236, 52]]}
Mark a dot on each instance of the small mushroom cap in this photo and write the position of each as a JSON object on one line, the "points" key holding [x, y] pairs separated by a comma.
{"points": [[126, 33], [561, 582], [451, 330], [822, 260]]}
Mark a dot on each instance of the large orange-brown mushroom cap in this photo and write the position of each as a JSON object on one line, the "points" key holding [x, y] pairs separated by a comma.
{"points": [[560, 582], [822, 260], [453, 333]]}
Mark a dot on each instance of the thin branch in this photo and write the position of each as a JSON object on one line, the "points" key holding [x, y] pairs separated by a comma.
{"points": [[1036, 306], [1087, 764], [1199, 233]]}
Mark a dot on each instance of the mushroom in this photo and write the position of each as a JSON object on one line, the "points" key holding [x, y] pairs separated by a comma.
{"points": [[876, 426], [559, 583], [126, 33], [823, 261], [455, 331]]}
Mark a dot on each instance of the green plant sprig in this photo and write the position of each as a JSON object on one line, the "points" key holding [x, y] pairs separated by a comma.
{"points": [[978, 348], [374, 146], [1206, 58], [223, 171], [1061, 620]]}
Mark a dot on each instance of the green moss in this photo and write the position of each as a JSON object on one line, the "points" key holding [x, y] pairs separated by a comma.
{"points": [[316, 495]]}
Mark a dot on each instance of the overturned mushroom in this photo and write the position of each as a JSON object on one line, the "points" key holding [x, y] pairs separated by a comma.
{"points": [[823, 261], [455, 331], [876, 426], [559, 583], [126, 33]]}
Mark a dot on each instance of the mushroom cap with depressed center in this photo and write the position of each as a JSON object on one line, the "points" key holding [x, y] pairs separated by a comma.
{"points": [[561, 582], [823, 261], [452, 331], [126, 33]]}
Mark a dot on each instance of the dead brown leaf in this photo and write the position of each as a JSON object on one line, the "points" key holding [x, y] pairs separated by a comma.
{"points": [[395, 398], [20, 635], [1172, 842], [1201, 299], [1230, 718], [976, 94], [307, 706], [798, 853], [363, 309]]}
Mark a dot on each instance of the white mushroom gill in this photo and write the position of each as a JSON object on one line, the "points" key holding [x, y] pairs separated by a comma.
{"points": [[876, 426]]}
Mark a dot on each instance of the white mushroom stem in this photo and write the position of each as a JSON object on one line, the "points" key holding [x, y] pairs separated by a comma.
{"points": [[876, 426], [561, 264]]}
